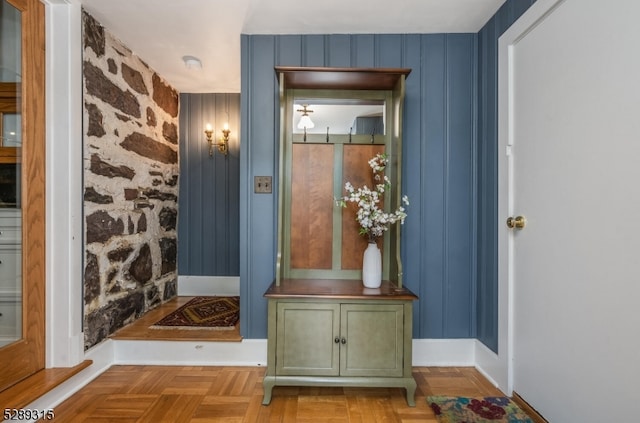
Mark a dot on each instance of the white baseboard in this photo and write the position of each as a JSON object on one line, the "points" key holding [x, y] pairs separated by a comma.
{"points": [[253, 352], [491, 365], [249, 352], [191, 286], [444, 352]]}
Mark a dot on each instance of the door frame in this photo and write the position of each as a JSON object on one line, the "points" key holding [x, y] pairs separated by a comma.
{"points": [[500, 366], [64, 224]]}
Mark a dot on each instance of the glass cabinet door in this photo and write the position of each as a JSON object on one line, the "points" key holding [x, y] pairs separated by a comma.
{"points": [[10, 144], [22, 200]]}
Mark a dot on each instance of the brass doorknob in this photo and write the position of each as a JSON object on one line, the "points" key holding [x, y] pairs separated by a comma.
{"points": [[517, 222]]}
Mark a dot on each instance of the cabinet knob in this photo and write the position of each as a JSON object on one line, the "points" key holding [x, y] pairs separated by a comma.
{"points": [[344, 341], [337, 340]]}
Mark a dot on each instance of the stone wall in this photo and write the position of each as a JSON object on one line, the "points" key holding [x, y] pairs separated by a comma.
{"points": [[130, 128]]}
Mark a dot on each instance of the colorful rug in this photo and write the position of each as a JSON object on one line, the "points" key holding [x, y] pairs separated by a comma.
{"points": [[215, 313], [477, 410]]}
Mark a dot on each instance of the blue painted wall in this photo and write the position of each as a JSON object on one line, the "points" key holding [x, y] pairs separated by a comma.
{"points": [[450, 166], [439, 166], [487, 205], [208, 222]]}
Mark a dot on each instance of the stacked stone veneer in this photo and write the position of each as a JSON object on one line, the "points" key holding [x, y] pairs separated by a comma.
{"points": [[130, 185]]}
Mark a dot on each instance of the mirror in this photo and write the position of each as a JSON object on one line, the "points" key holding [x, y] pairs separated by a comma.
{"points": [[11, 130], [340, 116]]}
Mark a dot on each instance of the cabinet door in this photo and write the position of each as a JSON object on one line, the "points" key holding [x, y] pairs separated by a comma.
{"points": [[373, 335], [305, 339], [22, 189]]}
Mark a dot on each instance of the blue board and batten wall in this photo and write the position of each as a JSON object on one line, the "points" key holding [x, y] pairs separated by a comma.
{"points": [[439, 165], [449, 176], [208, 244]]}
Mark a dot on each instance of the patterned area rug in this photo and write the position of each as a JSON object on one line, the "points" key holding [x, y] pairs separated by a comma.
{"points": [[477, 410], [215, 313]]}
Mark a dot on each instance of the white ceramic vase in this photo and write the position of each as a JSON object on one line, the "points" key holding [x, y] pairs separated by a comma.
{"points": [[372, 266]]}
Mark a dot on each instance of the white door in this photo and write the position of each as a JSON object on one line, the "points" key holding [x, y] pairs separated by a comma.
{"points": [[570, 131]]}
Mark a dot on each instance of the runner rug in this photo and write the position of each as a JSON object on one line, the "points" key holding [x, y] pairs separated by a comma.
{"points": [[477, 410], [215, 313]]}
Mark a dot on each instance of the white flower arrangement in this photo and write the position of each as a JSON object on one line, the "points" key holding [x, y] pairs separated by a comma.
{"points": [[373, 221]]}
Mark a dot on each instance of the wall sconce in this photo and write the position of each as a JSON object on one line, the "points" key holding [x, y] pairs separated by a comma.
{"points": [[223, 144]]}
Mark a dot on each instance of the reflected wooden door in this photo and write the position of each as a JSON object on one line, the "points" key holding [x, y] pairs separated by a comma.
{"points": [[22, 194]]}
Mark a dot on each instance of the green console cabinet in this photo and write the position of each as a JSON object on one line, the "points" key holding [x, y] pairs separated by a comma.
{"points": [[335, 332], [324, 327]]}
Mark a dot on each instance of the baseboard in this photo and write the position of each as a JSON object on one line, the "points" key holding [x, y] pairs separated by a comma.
{"points": [[253, 352], [249, 352], [491, 366], [191, 286], [443, 352]]}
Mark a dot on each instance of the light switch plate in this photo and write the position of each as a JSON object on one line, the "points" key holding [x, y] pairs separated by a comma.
{"points": [[262, 184]]}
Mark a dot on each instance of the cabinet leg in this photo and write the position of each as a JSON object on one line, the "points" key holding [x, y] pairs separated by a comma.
{"points": [[267, 384], [411, 392]]}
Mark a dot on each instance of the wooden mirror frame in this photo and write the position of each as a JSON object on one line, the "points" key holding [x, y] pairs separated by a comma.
{"points": [[387, 84]]}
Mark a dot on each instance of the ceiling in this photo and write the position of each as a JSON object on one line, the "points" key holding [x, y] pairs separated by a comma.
{"points": [[161, 32]]}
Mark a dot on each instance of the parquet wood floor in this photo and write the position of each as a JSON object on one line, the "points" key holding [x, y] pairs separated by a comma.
{"points": [[234, 394]]}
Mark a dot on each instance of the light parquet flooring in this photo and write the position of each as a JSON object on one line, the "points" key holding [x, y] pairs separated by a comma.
{"points": [[234, 394]]}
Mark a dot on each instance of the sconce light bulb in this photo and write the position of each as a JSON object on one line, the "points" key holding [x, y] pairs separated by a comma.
{"points": [[208, 127], [226, 126]]}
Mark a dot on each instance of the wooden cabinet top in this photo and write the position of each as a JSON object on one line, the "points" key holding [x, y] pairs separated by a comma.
{"points": [[337, 289]]}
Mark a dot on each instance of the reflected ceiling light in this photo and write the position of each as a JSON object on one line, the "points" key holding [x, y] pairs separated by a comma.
{"points": [[305, 120]]}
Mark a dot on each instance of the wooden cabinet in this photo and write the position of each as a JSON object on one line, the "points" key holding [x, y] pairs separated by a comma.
{"points": [[324, 327], [334, 332], [22, 105]]}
